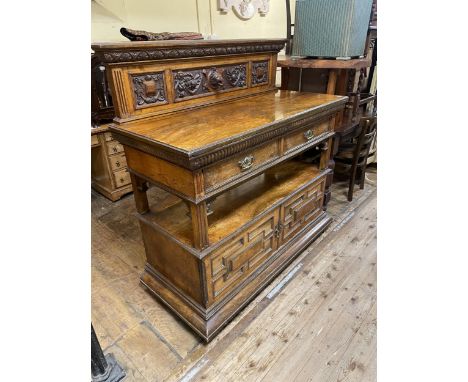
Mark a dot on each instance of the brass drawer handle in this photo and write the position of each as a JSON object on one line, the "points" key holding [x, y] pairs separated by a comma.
{"points": [[246, 163], [308, 135]]}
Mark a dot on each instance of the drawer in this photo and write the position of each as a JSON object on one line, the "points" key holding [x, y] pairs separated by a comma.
{"points": [[231, 263], [238, 165], [108, 137], [301, 209], [94, 140], [114, 147], [118, 162], [303, 136], [122, 178]]}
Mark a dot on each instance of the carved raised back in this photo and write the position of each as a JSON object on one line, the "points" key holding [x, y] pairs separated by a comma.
{"points": [[158, 77]]}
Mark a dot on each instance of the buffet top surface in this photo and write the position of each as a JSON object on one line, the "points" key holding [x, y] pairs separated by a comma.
{"points": [[195, 130]]}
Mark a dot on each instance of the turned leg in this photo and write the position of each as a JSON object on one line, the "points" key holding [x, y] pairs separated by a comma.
{"points": [[140, 186]]}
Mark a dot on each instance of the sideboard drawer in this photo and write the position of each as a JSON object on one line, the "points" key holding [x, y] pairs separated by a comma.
{"points": [[114, 147], [122, 178], [240, 164], [118, 162], [231, 263], [303, 136], [301, 209]]}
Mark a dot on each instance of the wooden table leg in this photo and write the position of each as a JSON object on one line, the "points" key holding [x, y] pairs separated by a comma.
{"points": [[198, 213], [284, 78], [332, 77], [140, 186]]}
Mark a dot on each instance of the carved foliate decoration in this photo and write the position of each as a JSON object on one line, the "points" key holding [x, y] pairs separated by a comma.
{"points": [[187, 83], [149, 89], [245, 9], [259, 72], [235, 75], [195, 82], [189, 51]]}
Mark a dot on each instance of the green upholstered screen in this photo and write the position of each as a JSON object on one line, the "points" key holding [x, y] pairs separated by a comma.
{"points": [[331, 28]]}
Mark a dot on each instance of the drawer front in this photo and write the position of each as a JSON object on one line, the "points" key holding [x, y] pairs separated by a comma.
{"points": [[301, 209], [230, 264], [122, 178], [240, 164], [303, 136], [114, 147], [118, 162]]}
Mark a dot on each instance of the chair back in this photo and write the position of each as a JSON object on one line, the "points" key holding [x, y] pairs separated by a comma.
{"points": [[368, 125]]}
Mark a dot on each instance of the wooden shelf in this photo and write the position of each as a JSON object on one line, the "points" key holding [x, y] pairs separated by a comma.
{"points": [[238, 206], [315, 63]]}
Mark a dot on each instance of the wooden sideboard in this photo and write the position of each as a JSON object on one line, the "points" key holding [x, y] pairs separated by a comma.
{"points": [[245, 163]]}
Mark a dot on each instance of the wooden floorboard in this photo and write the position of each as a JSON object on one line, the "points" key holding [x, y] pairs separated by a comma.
{"points": [[315, 322]]}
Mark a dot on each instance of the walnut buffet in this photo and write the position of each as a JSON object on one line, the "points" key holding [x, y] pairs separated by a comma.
{"points": [[246, 165]]}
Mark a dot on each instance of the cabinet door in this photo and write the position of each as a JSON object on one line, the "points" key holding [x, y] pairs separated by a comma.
{"points": [[301, 209], [232, 262]]}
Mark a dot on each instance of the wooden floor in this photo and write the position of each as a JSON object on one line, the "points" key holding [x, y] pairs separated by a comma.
{"points": [[315, 322]]}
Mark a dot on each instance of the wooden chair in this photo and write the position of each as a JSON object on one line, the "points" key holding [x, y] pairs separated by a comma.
{"points": [[352, 155], [289, 29]]}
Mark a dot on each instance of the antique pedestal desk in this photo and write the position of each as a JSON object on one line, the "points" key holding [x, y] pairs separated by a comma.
{"points": [[245, 163], [109, 174]]}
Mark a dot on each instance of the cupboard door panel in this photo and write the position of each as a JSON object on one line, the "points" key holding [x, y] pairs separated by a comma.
{"points": [[231, 263], [301, 209]]}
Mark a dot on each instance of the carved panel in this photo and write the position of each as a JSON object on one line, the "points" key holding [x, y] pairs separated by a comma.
{"points": [[205, 81], [161, 53], [242, 255], [259, 72], [149, 89], [301, 209], [188, 83]]}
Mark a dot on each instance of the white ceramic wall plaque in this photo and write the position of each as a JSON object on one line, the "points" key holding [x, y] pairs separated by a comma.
{"points": [[245, 9]]}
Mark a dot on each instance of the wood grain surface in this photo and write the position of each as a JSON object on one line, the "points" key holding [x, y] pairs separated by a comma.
{"points": [[217, 123], [312, 63]]}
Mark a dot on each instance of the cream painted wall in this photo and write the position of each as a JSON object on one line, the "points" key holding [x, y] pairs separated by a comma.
{"points": [[108, 16]]}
